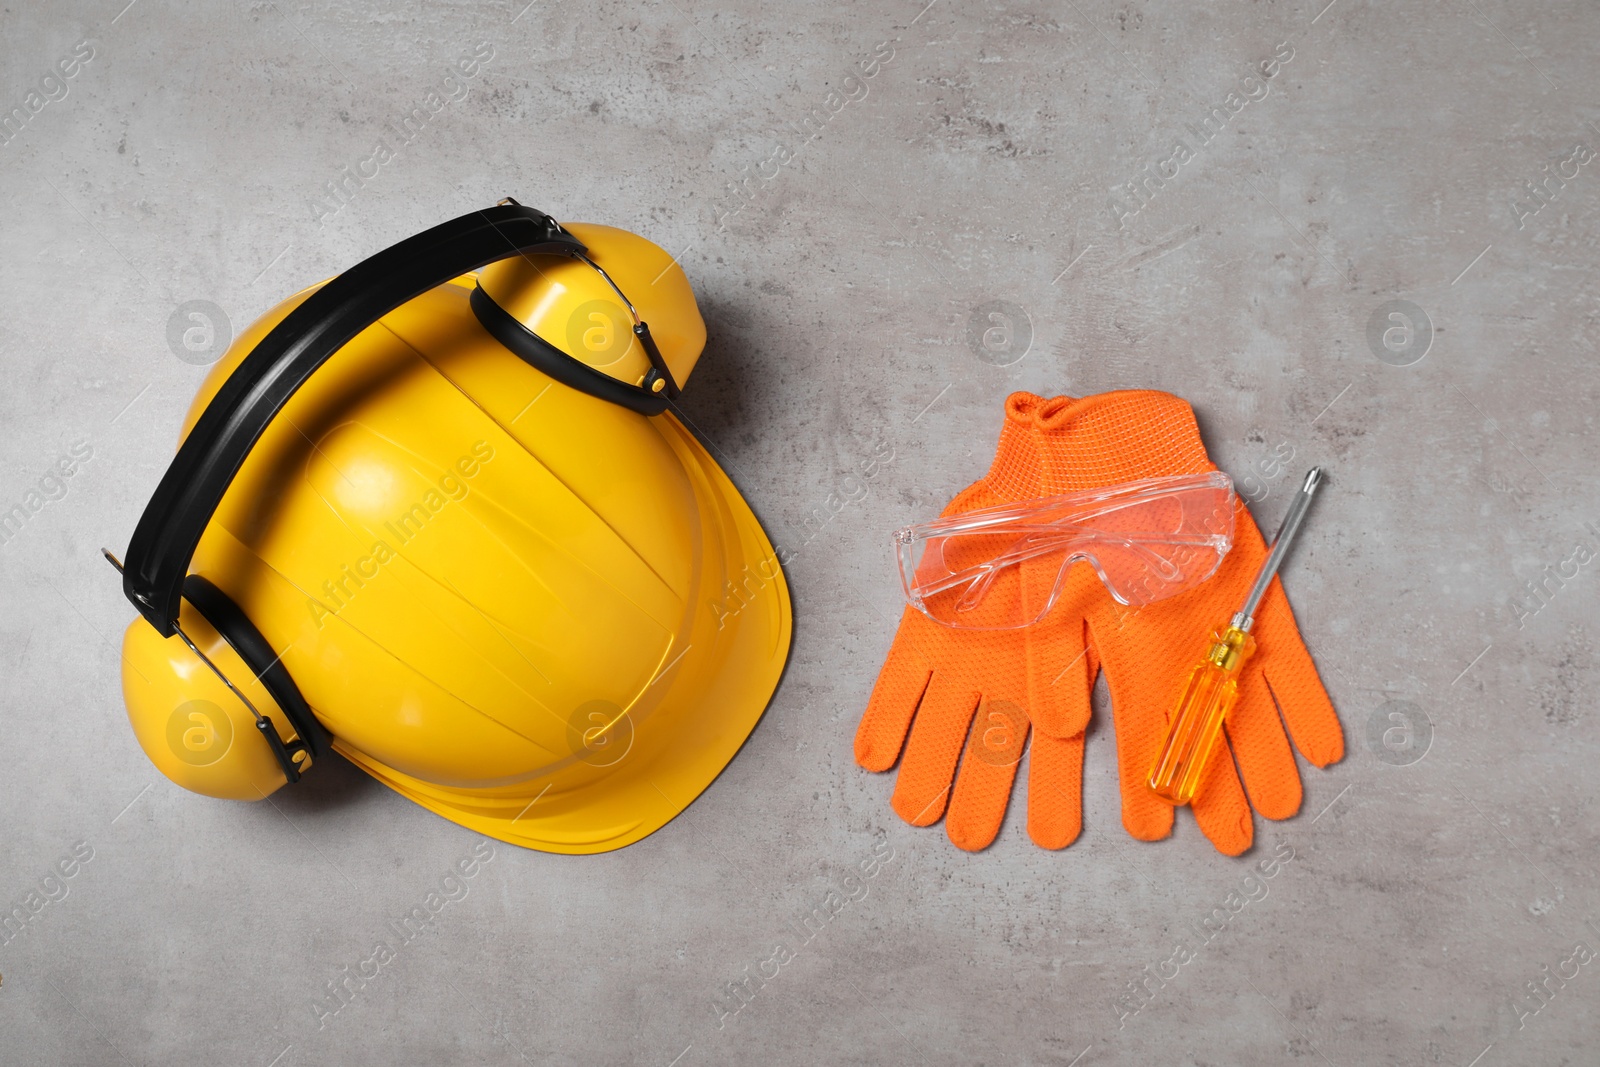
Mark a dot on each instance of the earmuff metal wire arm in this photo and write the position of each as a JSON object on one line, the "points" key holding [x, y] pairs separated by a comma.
{"points": [[641, 330], [263, 661], [282, 751]]}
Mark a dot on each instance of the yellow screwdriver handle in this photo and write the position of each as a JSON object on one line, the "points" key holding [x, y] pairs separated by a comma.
{"points": [[1196, 724]]}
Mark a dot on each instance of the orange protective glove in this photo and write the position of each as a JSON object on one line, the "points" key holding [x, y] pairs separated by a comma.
{"points": [[940, 677], [1043, 674], [1148, 652]]}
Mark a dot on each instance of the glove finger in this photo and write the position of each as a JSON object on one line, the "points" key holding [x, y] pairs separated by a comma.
{"points": [[1055, 790], [1283, 658], [922, 788], [1059, 664], [989, 767], [1140, 725], [1139, 735], [1261, 749], [895, 694], [1221, 808]]}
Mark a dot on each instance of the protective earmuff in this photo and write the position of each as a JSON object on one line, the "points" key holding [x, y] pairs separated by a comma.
{"points": [[155, 574]]}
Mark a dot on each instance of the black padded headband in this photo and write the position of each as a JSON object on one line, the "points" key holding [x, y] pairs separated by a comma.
{"points": [[170, 529]]}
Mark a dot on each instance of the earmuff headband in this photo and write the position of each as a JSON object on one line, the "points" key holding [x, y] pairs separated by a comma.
{"points": [[192, 489]]}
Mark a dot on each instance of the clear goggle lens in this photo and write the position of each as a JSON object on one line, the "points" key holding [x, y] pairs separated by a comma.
{"points": [[1003, 568]]}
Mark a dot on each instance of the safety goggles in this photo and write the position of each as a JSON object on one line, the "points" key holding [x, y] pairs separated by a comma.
{"points": [[1003, 568]]}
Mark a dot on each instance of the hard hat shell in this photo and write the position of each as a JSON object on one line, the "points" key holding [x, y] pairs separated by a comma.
{"points": [[506, 599]]}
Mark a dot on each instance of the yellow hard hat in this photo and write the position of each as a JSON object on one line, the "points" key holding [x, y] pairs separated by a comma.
{"points": [[472, 552]]}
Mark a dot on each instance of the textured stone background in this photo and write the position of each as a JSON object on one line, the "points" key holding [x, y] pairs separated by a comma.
{"points": [[1386, 162]]}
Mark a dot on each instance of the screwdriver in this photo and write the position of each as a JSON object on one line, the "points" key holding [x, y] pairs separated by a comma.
{"points": [[1213, 685]]}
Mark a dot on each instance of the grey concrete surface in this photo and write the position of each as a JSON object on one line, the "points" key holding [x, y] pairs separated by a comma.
{"points": [[1438, 876]]}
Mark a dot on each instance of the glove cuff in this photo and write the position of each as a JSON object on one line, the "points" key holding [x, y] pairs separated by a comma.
{"points": [[1065, 444]]}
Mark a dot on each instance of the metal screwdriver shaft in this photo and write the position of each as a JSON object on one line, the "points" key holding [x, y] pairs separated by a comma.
{"points": [[1213, 685], [1280, 548]]}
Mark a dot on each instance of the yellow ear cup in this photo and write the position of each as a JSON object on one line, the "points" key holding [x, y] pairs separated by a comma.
{"points": [[567, 303], [194, 729]]}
